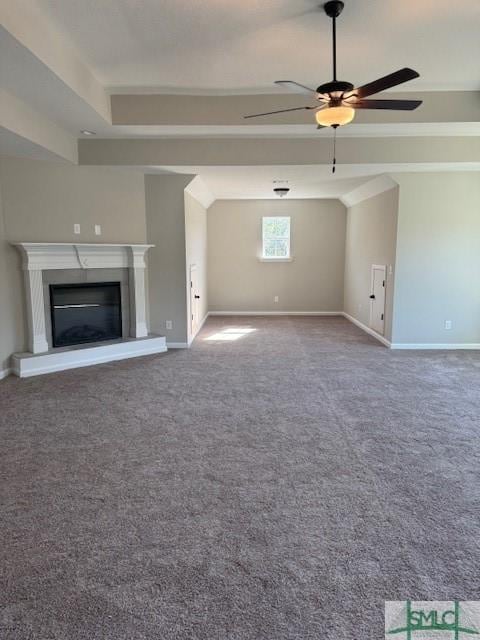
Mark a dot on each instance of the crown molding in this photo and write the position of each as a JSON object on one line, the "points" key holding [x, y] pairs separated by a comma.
{"points": [[368, 190]]}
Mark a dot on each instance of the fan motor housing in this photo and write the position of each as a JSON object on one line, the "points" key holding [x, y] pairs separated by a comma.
{"points": [[339, 86]]}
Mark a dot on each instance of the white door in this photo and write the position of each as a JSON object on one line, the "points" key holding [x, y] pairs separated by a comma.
{"points": [[194, 298], [377, 298]]}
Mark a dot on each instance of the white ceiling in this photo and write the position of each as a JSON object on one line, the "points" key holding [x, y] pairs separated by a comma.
{"points": [[208, 45]]}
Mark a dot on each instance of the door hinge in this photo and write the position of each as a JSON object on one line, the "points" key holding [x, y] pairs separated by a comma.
{"points": [[191, 284], [383, 284], [381, 317]]}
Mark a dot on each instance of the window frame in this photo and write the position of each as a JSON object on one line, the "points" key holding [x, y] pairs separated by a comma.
{"points": [[266, 237]]}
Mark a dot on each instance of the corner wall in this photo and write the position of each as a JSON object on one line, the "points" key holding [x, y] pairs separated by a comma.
{"points": [[196, 254], [39, 202], [371, 238], [11, 321], [167, 273], [438, 260]]}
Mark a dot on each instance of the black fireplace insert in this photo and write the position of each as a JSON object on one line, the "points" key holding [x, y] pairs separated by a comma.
{"points": [[86, 312]]}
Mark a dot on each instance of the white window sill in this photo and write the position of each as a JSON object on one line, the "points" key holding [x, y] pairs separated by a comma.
{"points": [[261, 259]]}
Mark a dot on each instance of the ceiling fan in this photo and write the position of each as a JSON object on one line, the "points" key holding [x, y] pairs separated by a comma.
{"points": [[339, 99]]}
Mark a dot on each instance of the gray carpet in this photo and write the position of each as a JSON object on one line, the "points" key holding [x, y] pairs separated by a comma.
{"points": [[279, 486]]}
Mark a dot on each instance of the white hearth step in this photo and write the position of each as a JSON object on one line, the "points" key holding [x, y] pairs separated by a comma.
{"points": [[25, 365]]}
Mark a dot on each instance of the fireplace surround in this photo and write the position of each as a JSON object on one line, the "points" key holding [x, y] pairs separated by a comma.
{"points": [[41, 261]]}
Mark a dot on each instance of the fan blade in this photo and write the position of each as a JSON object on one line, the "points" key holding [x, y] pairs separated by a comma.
{"points": [[399, 105], [269, 113], [392, 80], [295, 86]]}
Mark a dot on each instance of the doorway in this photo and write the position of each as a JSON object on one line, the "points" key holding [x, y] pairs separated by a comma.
{"points": [[377, 298]]}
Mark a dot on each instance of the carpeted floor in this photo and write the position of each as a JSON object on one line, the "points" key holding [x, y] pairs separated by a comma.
{"points": [[278, 486]]}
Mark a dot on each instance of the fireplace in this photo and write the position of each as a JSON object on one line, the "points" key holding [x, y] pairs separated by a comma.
{"points": [[86, 312]]}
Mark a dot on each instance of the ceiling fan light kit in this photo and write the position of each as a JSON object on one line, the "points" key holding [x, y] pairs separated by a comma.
{"points": [[335, 116]]}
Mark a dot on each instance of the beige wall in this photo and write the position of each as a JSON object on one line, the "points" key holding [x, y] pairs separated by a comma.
{"points": [[371, 237], [165, 212], [238, 281], [438, 259], [41, 201], [196, 254], [11, 290]]}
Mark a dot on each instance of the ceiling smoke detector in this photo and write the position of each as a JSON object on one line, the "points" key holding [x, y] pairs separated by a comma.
{"points": [[280, 188]]}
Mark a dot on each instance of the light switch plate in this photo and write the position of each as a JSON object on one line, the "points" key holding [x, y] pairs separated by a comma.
{"points": [[169, 324], [76, 229], [448, 324], [98, 230]]}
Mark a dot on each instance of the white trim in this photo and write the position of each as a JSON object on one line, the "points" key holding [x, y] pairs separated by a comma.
{"points": [[26, 365], [192, 338], [262, 259], [368, 190], [432, 345], [65, 255], [378, 267], [4, 373], [275, 313], [177, 345], [370, 332]]}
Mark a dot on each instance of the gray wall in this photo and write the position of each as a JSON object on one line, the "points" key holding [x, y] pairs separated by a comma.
{"points": [[238, 281], [196, 253], [371, 237], [165, 213], [438, 258], [40, 201]]}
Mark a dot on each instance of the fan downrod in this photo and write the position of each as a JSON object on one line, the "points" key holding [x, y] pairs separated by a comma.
{"points": [[333, 8]]}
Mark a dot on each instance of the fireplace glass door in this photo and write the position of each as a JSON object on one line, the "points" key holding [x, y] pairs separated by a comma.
{"points": [[87, 312]]}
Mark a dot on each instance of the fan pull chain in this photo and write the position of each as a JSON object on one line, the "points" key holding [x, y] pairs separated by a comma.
{"points": [[334, 148]]}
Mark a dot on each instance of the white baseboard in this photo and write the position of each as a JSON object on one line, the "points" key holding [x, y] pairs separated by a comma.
{"points": [[177, 345], [275, 313], [192, 338], [431, 345], [27, 365], [4, 373], [370, 332]]}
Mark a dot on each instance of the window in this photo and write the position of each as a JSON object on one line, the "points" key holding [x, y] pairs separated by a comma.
{"points": [[276, 237]]}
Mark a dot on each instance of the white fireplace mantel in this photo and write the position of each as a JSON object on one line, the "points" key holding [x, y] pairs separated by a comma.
{"points": [[39, 256]]}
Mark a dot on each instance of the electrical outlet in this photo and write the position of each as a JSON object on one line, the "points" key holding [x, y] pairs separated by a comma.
{"points": [[98, 230], [169, 325], [448, 324], [76, 229], [275, 299]]}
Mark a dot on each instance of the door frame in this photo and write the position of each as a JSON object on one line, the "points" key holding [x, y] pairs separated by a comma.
{"points": [[380, 267], [193, 268]]}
